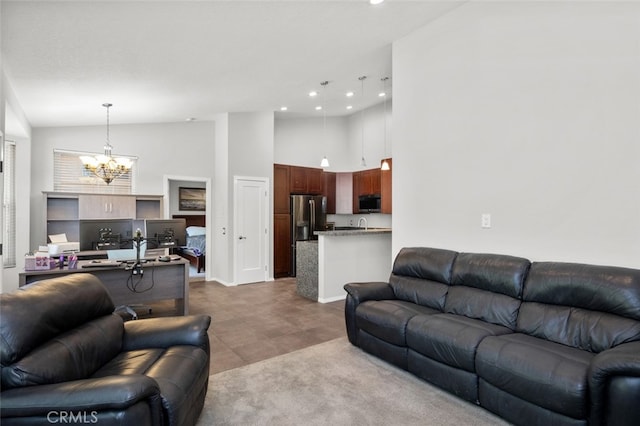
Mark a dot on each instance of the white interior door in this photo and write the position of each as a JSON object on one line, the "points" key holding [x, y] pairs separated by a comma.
{"points": [[251, 230]]}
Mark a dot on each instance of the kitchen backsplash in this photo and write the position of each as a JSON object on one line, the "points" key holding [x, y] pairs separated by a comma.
{"points": [[374, 220]]}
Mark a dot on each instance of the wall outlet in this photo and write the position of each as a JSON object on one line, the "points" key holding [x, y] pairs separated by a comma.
{"points": [[485, 221]]}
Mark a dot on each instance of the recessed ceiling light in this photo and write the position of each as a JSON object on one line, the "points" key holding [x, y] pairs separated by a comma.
{"points": [[313, 93], [382, 94], [349, 94], [319, 107], [349, 106], [374, 2], [284, 108]]}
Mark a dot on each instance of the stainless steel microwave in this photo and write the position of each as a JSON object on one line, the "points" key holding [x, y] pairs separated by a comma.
{"points": [[369, 203]]}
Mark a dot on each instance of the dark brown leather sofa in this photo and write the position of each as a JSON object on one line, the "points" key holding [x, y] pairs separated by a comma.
{"points": [[536, 343], [66, 358]]}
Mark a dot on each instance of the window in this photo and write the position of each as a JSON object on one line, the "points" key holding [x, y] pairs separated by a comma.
{"points": [[69, 175], [9, 205]]}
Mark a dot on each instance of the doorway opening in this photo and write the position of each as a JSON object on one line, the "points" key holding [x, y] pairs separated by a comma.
{"points": [[197, 214]]}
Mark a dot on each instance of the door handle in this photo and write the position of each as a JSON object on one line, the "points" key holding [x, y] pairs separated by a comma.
{"points": [[242, 238]]}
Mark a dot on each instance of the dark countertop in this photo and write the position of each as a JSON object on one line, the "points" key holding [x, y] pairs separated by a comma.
{"points": [[338, 232]]}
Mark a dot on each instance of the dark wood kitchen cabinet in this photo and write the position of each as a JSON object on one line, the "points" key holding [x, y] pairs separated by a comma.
{"points": [[314, 181], [298, 180], [305, 180], [281, 245], [373, 182], [365, 182], [369, 182], [287, 181], [329, 191], [280, 189]]}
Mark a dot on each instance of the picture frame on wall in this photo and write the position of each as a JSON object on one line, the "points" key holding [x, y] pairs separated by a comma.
{"points": [[193, 199]]}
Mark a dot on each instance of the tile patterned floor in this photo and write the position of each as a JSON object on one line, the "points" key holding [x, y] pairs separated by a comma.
{"points": [[253, 322]]}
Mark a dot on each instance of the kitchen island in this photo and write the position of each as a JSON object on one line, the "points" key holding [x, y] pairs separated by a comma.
{"points": [[340, 256]]}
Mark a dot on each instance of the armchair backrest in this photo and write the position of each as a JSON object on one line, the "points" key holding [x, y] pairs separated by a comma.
{"points": [[56, 330]]}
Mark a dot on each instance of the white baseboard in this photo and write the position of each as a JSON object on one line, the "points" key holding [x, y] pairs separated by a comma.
{"points": [[332, 299]]}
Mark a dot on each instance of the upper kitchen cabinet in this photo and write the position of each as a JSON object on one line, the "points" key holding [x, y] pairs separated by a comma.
{"points": [[329, 191], [373, 182], [314, 181], [369, 182], [305, 180]]}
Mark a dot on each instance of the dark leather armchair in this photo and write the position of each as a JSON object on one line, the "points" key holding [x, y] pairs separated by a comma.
{"points": [[66, 358]]}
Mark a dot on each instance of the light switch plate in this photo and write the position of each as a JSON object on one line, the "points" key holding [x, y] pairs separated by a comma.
{"points": [[486, 220]]}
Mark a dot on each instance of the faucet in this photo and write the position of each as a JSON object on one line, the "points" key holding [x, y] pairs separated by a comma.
{"points": [[362, 219]]}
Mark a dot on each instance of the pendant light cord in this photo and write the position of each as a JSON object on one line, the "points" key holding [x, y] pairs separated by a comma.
{"points": [[362, 79], [384, 103], [107, 147]]}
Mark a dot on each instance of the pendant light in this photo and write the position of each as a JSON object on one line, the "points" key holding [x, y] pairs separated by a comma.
{"points": [[325, 162], [385, 163], [105, 166], [363, 162]]}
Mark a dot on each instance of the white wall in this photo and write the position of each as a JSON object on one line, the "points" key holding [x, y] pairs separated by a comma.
{"points": [[374, 143], [303, 142], [529, 112], [250, 154], [221, 245]]}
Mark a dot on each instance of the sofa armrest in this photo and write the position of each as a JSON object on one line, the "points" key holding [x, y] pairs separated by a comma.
{"points": [[361, 292], [614, 384], [166, 332], [86, 396], [358, 293]]}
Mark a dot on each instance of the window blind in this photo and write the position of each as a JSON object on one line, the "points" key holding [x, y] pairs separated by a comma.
{"points": [[9, 205], [69, 175]]}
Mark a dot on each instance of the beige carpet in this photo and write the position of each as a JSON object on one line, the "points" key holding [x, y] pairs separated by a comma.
{"points": [[333, 383]]}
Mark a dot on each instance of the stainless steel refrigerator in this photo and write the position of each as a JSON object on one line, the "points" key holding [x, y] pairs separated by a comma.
{"points": [[308, 214]]}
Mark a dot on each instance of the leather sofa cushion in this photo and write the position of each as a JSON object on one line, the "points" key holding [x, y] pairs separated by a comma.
{"points": [[597, 288], [419, 291], [430, 264], [387, 319], [491, 272], [38, 312], [73, 355], [491, 307], [580, 328], [544, 373], [450, 339], [130, 362], [589, 307], [177, 370], [422, 275]]}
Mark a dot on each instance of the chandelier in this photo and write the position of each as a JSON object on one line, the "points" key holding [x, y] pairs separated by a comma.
{"points": [[105, 166]]}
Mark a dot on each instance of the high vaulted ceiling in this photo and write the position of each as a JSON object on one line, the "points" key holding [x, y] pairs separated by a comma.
{"points": [[166, 61]]}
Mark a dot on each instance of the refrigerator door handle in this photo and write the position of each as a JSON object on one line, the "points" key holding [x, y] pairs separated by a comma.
{"points": [[312, 227]]}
